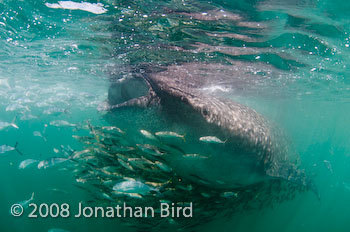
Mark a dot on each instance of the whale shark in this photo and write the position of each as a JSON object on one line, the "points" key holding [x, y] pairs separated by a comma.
{"points": [[251, 149]]}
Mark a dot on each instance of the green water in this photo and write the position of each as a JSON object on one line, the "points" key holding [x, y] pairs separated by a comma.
{"points": [[291, 60]]}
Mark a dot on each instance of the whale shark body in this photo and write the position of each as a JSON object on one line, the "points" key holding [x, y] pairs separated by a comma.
{"points": [[252, 152]]}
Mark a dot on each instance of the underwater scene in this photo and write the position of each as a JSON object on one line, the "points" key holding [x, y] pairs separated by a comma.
{"points": [[174, 115]]}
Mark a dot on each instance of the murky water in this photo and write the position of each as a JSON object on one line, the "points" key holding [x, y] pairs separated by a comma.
{"points": [[288, 60]]}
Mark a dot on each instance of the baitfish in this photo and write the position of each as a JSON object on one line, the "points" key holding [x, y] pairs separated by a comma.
{"points": [[152, 150], [163, 166], [26, 163], [4, 125], [17, 107], [195, 156], [206, 195], [328, 165], [121, 148], [211, 139], [113, 129], [68, 151], [62, 123], [229, 194], [51, 162], [148, 134], [169, 135], [55, 111], [125, 164], [106, 196], [133, 186], [133, 195], [140, 163], [79, 154], [25, 203], [38, 134], [6, 148]]}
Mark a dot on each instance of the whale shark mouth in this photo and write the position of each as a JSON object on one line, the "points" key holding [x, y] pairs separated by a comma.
{"points": [[126, 89]]}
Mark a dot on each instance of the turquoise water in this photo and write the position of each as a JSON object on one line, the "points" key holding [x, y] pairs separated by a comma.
{"points": [[289, 61]]}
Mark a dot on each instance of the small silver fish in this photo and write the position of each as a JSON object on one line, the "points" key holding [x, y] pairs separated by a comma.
{"points": [[62, 123], [195, 156], [106, 196], [55, 111], [79, 154], [211, 139], [156, 184], [68, 151], [185, 187], [120, 148], [81, 180], [107, 182], [6, 148], [38, 134], [163, 166], [25, 203], [229, 194], [133, 186], [150, 149], [25, 117], [125, 164], [51, 162], [139, 163], [4, 125], [328, 165], [148, 135], [113, 129], [17, 107], [220, 182], [26, 163], [206, 195], [133, 195], [170, 135]]}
